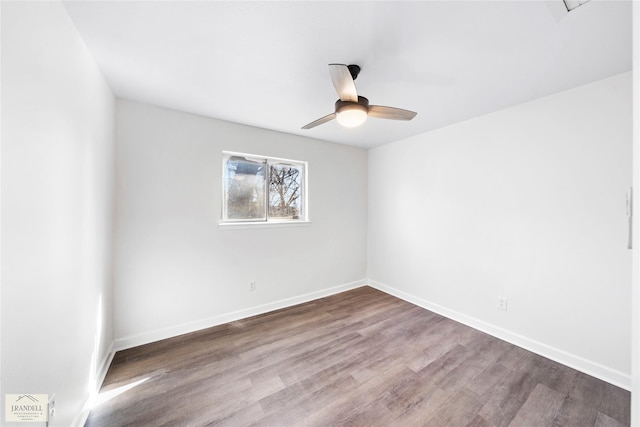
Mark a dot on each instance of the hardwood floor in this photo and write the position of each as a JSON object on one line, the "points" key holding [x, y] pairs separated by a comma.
{"points": [[360, 358]]}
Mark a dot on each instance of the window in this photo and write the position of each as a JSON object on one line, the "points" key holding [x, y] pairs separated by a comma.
{"points": [[258, 189]]}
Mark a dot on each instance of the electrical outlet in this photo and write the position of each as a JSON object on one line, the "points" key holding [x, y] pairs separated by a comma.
{"points": [[502, 303], [52, 406], [252, 286]]}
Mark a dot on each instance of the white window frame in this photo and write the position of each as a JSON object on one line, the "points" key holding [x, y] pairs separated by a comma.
{"points": [[267, 222]]}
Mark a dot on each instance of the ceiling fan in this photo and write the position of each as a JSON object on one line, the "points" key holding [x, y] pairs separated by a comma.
{"points": [[352, 110]]}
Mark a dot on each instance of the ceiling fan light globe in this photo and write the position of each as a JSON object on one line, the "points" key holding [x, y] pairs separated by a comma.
{"points": [[351, 115]]}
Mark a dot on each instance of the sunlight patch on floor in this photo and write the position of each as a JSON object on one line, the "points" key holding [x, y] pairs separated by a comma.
{"points": [[108, 395]]}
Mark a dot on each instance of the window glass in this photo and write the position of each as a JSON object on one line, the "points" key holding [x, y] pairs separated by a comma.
{"points": [[263, 189], [285, 191], [244, 185]]}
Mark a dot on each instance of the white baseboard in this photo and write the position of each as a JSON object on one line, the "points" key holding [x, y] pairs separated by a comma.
{"points": [[586, 366], [160, 334], [81, 418]]}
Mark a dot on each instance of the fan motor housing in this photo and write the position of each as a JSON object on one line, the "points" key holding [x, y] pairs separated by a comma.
{"points": [[361, 101]]}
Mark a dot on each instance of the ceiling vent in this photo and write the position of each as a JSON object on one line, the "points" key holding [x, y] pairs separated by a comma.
{"points": [[572, 4], [561, 8]]}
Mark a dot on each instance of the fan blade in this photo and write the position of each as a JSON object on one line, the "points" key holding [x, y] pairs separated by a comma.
{"points": [[320, 121], [382, 112], [343, 82]]}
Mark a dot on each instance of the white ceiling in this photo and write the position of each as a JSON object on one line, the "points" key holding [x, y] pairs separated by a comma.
{"points": [[265, 63]]}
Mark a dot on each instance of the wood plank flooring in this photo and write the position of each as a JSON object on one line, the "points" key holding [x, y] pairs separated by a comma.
{"points": [[359, 358]]}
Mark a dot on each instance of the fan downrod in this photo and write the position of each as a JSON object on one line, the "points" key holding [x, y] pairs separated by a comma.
{"points": [[354, 70]]}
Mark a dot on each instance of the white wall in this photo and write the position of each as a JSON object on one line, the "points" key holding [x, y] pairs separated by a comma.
{"points": [[635, 330], [527, 203], [176, 270], [57, 184]]}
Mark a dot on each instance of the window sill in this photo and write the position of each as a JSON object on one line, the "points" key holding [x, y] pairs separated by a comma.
{"points": [[261, 224]]}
